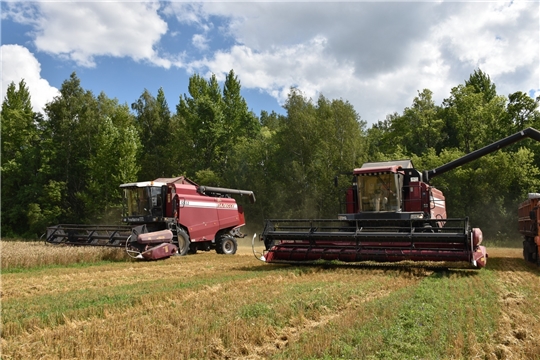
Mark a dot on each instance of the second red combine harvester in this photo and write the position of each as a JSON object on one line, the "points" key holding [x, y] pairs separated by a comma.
{"points": [[164, 217], [392, 214]]}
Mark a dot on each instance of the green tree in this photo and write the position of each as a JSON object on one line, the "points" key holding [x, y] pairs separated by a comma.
{"points": [[253, 166], [482, 84], [474, 114], [316, 142], [420, 127], [342, 148], [471, 122], [20, 158], [155, 127], [69, 141], [523, 111], [271, 120], [202, 113], [239, 121], [213, 121], [89, 148], [114, 162], [380, 138]]}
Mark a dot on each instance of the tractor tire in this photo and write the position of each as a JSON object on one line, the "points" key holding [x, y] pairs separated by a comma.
{"points": [[183, 242], [226, 245]]}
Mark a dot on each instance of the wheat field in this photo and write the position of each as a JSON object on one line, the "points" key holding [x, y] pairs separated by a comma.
{"points": [[94, 303]]}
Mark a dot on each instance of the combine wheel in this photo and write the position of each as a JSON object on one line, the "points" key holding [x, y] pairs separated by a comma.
{"points": [[530, 251], [192, 248], [526, 250], [183, 242], [226, 245], [525, 253]]}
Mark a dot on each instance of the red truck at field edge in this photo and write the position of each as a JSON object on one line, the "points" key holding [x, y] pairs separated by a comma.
{"points": [[529, 227]]}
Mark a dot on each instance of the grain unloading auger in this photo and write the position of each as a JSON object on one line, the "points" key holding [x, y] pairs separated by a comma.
{"points": [[164, 217], [392, 214]]}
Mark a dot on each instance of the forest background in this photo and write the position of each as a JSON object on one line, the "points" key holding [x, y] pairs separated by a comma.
{"points": [[65, 165]]}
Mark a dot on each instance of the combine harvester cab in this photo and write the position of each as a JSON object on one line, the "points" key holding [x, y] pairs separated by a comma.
{"points": [[165, 217], [392, 214]]}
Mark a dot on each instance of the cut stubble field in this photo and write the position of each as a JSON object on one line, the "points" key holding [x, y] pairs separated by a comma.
{"points": [[92, 303]]}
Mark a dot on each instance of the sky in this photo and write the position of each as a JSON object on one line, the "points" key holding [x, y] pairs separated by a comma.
{"points": [[376, 55]]}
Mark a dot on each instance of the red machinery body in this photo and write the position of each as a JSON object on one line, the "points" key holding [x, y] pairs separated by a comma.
{"points": [[173, 211], [391, 216], [203, 216], [529, 227]]}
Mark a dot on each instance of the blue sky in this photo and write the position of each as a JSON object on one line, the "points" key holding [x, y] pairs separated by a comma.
{"points": [[376, 55]]}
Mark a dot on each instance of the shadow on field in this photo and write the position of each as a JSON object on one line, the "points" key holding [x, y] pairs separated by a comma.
{"points": [[512, 264], [460, 273], [500, 259], [264, 267], [411, 267]]}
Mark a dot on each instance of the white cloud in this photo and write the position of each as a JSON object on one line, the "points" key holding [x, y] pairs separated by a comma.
{"points": [[23, 13], [186, 13], [376, 55], [200, 42], [17, 64], [81, 31], [500, 38], [276, 71]]}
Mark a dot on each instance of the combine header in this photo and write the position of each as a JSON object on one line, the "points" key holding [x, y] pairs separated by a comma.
{"points": [[392, 214], [164, 217]]}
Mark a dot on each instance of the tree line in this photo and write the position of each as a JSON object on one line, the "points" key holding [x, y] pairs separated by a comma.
{"points": [[65, 165]]}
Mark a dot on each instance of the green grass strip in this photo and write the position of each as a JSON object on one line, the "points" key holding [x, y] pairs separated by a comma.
{"points": [[53, 309], [75, 265], [441, 317]]}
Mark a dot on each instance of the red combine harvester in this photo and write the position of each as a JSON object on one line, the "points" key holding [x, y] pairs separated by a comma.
{"points": [[529, 227], [392, 214], [165, 217]]}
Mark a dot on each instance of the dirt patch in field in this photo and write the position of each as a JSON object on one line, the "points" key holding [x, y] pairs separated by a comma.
{"points": [[518, 334], [247, 250], [504, 253]]}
